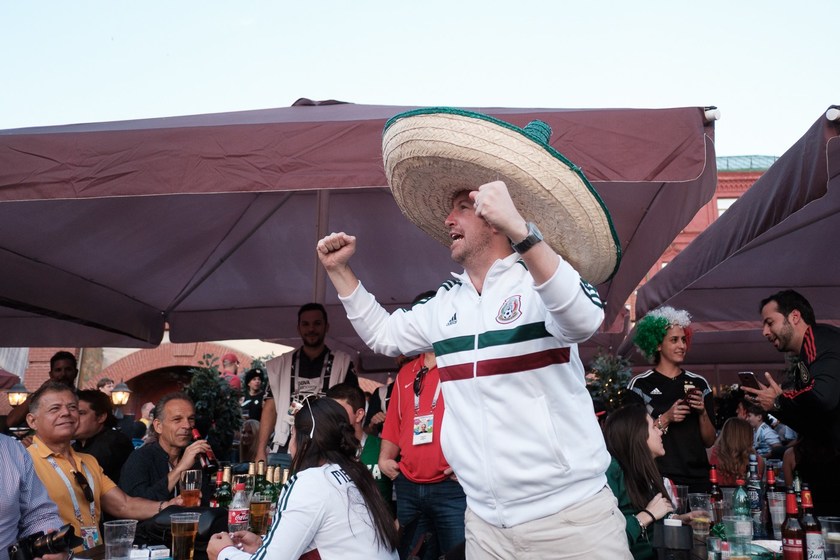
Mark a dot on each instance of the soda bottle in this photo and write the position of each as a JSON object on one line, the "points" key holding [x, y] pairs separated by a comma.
{"points": [[814, 543], [207, 460], [214, 500], [238, 512], [716, 496], [755, 495], [740, 500], [792, 533]]}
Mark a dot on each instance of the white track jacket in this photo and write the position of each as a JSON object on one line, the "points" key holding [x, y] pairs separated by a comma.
{"points": [[519, 428]]}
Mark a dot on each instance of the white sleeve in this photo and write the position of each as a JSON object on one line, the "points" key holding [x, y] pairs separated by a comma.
{"points": [[300, 514], [389, 334], [574, 306]]}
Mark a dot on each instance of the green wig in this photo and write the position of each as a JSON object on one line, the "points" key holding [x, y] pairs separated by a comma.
{"points": [[651, 330]]}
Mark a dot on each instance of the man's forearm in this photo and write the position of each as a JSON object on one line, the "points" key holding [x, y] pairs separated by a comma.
{"points": [[268, 419], [344, 280], [388, 451]]}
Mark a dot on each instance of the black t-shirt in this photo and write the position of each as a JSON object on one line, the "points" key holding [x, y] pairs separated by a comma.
{"points": [[252, 405], [685, 460]]}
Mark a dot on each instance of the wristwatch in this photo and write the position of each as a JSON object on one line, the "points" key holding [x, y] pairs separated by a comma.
{"points": [[534, 237], [777, 405]]}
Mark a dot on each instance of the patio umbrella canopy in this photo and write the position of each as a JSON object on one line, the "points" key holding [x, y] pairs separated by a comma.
{"points": [[208, 223], [780, 234]]}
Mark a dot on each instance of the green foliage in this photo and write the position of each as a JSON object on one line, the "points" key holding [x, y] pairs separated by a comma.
{"points": [[216, 404], [259, 362], [607, 378]]}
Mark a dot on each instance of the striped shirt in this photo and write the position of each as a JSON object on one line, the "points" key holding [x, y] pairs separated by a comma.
{"points": [[25, 507]]}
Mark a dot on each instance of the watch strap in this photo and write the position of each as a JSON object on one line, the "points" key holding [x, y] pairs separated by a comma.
{"points": [[534, 236]]}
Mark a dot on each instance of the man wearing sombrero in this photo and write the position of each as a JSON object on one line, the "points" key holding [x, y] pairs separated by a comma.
{"points": [[519, 430]]}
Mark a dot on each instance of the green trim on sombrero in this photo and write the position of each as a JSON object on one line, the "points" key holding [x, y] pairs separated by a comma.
{"points": [[533, 138]]}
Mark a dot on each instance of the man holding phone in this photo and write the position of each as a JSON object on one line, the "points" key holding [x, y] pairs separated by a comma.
{"points": [[812, 406]]}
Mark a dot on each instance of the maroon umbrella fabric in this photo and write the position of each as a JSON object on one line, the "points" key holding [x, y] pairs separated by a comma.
{"points": [[209, 223], [782, 233]]}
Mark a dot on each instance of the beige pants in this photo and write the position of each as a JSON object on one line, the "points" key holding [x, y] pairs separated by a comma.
{"points": [[591, 530]]}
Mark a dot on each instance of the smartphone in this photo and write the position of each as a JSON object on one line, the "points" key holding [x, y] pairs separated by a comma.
{"points": [[748, 379]]}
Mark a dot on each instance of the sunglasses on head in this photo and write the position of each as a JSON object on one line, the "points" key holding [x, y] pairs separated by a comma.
{"points": [[83, 483], [418, 380]]}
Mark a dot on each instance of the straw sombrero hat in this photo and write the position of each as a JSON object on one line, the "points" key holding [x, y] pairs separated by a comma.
{"points": [[432, 154]]}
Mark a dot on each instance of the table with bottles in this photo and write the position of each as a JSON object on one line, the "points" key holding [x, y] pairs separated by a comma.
{"points": [[764, 518]]}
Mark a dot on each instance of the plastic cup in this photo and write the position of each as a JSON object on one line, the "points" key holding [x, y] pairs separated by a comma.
{"points": [[739, 534], [776, 505], [259, 513], [700, 506], [727, 500], [831, 536], [681, 499], [119, 536], [184, 529], [189, 487]]}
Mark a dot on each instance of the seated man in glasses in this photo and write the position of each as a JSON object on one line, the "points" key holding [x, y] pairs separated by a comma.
{"points": [[75, 481], [410, 455]]}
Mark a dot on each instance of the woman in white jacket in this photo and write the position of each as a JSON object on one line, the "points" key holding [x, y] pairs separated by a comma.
{"points": [[329, 508]]}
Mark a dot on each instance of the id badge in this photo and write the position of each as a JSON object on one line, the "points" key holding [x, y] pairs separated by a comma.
{"points": [[424, 429], [90, 536]]}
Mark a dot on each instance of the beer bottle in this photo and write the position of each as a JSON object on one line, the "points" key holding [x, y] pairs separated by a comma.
{"points": [[814, 543], [269, 477], [226, 492], [223, 495], [208, 461], [792, 533], [259, 481], [771, 479], [214, 500], [771, 487], [716, 496], [740, 500], [797, 488], [755, 495]]}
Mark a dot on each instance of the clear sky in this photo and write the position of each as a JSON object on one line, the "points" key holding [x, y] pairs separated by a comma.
{"points": [[770, 66]]}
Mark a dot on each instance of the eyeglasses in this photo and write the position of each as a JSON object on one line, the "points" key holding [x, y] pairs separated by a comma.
{"points": [[83, 483], [418, 380]]}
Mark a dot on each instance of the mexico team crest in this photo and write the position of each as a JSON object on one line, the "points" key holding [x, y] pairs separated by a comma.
{"points": [[510, 311]]}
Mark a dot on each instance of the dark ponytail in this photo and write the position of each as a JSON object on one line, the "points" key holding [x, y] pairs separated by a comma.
{"points": [[334, 441]]}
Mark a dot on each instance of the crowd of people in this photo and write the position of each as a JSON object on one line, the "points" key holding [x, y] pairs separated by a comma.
{"points": [[487, 443]]}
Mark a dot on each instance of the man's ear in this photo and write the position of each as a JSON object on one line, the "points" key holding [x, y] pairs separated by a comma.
{"points": [[795, 317], [30, 420], [156, 426], [360, 416]]}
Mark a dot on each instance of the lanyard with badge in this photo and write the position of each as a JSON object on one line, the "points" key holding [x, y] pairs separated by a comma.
{"points": [[90, 534], [424, 424], [306, 386]]}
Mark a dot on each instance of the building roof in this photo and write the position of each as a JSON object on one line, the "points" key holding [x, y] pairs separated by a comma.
{"points": [[745, 163]]}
